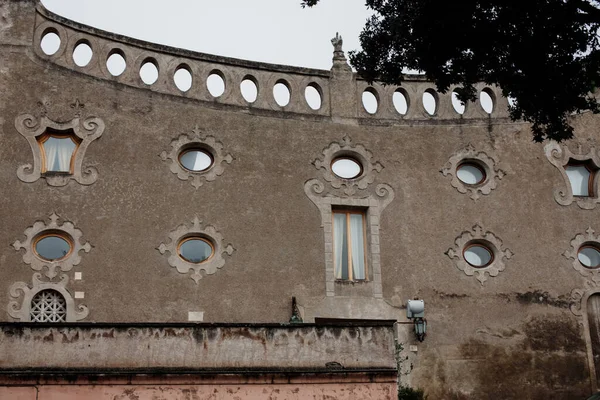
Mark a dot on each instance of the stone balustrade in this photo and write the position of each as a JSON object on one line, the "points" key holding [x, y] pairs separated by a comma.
{"points": [[387, 105]]}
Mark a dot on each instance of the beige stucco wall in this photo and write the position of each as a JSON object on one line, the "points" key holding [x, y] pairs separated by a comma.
{"points": [[513, 336]]}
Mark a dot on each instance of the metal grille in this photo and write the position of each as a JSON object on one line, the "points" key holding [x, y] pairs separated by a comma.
{"points": [[48, 306]]}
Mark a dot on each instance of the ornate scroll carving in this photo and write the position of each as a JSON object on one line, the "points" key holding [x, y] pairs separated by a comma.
{"points": [[487, 162], [333, 191], [488, 239], [358, 152], [578, 241], [559, 156], [23, 294], [210, 265], [197, 139], [65, 264], [86, 131]]}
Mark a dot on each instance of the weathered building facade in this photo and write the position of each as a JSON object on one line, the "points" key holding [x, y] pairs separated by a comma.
{"points": [[153, 238]]}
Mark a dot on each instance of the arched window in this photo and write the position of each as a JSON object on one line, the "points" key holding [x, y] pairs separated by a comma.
{"points": [[48, 306]]}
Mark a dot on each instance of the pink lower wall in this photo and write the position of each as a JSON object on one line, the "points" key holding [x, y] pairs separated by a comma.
{"points": [[362, 391]]}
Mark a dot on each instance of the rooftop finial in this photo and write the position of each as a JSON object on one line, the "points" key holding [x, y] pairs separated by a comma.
{"points": [[338, 53]]}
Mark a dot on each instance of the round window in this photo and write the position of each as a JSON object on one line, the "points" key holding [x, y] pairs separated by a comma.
{"points": [[470, 173], [52, 247], [478, 255], [196, 160], [589, 256], [195, 250], [346, 168]]}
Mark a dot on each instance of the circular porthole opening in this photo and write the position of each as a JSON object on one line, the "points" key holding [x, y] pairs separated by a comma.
{"points": [[196, 160], [312, 94], [183, 78], [115, 63], [346, 167], [478, 255], [470, 173], [370, 101], [50, 43], [589, 256], [149, 71], [195, 249], [52, 246], [282, 93], [215, 83], [82, 54], [249, 89]]}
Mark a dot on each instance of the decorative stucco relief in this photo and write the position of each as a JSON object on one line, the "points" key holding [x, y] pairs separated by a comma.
{"points": [[579, 241], [66, 230], [579, 307], [477, 236], [358, 152], [23, 294], [197, 139], [209, 233], [333, 191], [85, 131], [559, 156], [487, 162]]}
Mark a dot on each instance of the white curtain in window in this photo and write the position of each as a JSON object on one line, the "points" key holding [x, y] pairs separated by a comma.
{"points": [[358, 248], [51, 150], [339, 233], [579, 177], [65, 151], [58, 154]]}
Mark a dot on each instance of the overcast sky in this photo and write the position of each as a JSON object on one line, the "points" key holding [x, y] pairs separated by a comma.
{"points": [[275, 31]]}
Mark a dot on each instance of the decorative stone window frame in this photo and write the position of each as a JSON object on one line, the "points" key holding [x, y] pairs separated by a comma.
{"points": [[579, 241], [579, 307], [22, 294], [85, 132], [485, 161], [208, 233], [477, 236], [345, 149], [373, 206], [331, 192], [559, 155], [197, 139], [67, 230]]}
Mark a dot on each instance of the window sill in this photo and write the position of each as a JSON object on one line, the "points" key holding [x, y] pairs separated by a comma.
{"points": [[348, 282]]}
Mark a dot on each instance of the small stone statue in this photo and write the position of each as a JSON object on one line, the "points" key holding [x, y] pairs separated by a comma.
{"points": [[338, 53], [337, 43], [340, 62]]}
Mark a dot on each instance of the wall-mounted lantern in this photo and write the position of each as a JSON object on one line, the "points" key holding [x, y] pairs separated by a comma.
{"points": [[415, 309]]}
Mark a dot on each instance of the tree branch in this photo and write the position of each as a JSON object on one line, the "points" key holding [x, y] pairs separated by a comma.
{"points": [[309, 3], [588, 8]]}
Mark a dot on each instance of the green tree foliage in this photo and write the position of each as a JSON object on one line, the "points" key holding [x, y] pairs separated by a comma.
{"points": [[543, 53]]}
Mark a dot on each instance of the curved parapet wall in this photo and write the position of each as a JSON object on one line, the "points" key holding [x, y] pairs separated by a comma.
{"points": [[169, 60]]}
